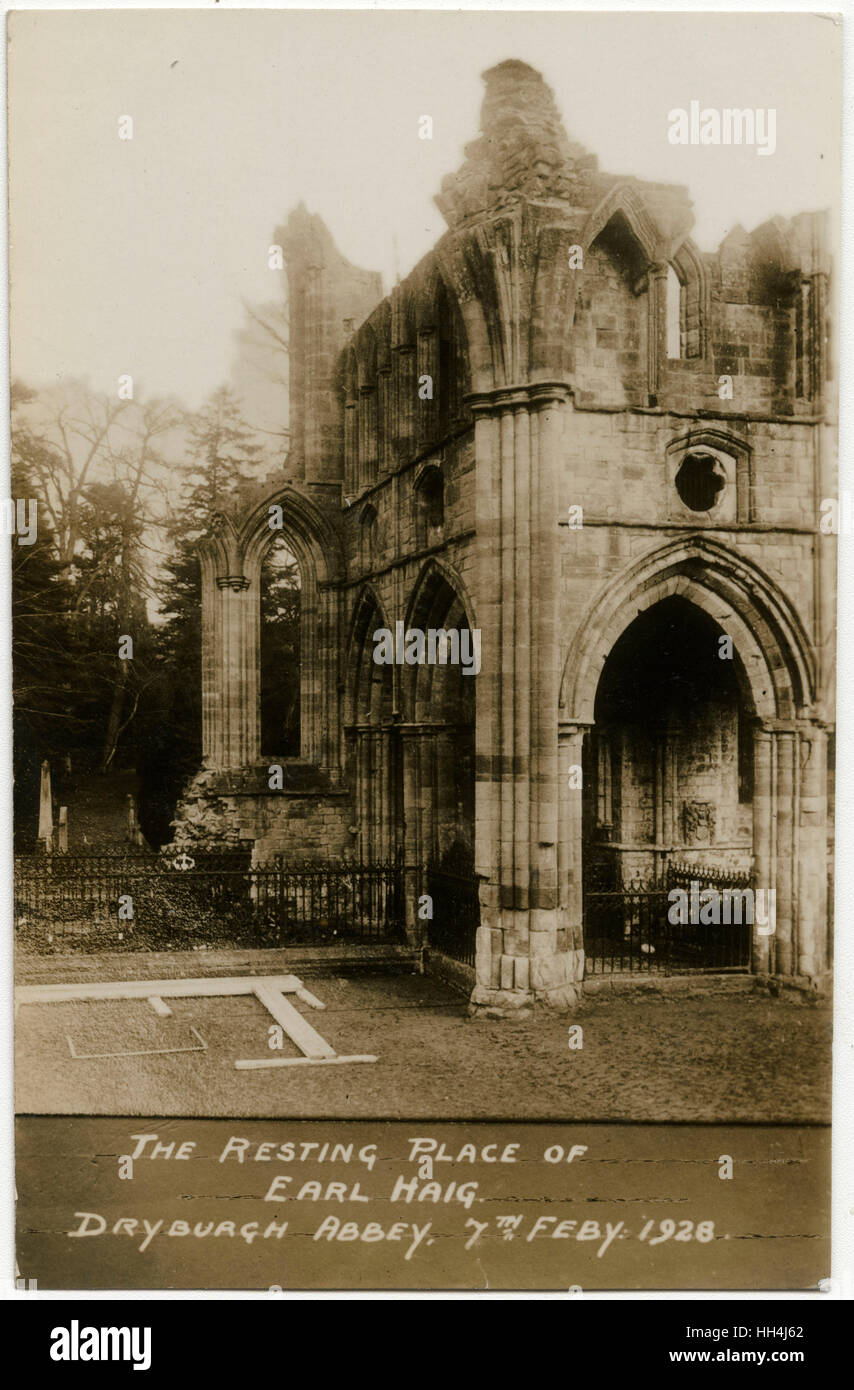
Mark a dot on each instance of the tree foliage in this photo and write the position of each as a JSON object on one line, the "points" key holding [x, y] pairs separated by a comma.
{"points": [[125, 491]]}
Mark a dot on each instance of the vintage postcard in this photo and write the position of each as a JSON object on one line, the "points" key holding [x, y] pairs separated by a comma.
{"points": [[423, 519]]}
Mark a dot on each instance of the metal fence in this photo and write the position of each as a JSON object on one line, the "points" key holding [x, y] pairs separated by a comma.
{"points": [[628, 928], [215, 896], [456, 914]]}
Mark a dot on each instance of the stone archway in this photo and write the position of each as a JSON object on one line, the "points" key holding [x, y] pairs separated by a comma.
{"points": [[789, 751], [231, 559], [745, 603], [373, 750], [437, 703]]}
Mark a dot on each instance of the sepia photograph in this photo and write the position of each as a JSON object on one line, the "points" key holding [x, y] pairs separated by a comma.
{"points": [[423, 523]]}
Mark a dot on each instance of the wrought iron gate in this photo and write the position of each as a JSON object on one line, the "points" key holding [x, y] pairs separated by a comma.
{"points": [[628, 926], [453, 888]]}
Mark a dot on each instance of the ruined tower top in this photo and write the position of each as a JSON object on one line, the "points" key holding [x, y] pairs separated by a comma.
{"points": [[516, 95], [523, 151]]}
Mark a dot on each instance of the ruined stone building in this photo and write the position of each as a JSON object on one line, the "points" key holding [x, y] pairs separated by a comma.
{"points": [[570, 431]]}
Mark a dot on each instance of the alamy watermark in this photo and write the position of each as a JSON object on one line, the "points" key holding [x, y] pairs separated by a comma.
{"points": [[728, 125], [708, 907], [76, 1343], [438, 646]]}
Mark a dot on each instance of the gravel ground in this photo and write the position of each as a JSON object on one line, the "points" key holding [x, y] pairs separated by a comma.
{"points": [[712, 1058]]}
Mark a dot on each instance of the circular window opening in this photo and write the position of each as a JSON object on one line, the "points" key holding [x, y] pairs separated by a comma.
{"points": [[700, 481]]}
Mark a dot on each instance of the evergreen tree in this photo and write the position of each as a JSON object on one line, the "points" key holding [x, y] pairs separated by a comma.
{"points": [[45, 717], [93, 468]]}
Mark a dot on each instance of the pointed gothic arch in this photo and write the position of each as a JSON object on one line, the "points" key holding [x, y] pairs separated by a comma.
{"points": [[690, 269], [231, 559], [438, 708], [733, 596], [623, 201], [368, 686], [374, 763], [740, 597]]}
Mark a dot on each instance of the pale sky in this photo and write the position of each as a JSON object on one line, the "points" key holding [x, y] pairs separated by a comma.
{"points": [[134, 256]]}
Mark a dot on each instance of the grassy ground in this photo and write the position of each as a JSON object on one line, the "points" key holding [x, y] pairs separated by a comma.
{"points": [[740, 1057]]}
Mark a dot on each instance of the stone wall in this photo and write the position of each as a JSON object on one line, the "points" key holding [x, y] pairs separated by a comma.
{"points": [[539, 322], [238, 811]]}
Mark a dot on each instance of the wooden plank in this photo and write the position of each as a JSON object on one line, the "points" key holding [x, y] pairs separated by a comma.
{"points": [[144, 1052], [161, 989], [255, 1064], [162, 1010], [270, 991], [308, 998], [298, 1029]]}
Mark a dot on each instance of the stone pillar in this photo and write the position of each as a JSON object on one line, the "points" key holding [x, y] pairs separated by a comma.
{"points": [[570, 845], [211, 673], [763, 852], [385, 453], [656, 325], [384, 775], [811, 955], [238, 666], [411, 746], [321, 743], [489, 774], [781, 953], [790, 845], [362, 792], [527, 948], [384, 780], [351, 446]]}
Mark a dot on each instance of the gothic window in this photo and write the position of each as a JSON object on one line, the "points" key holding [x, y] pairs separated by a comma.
{"points": [[368, 538], [687, 291], [430, 508], [675, 313], [280, 651], [709, 477]]}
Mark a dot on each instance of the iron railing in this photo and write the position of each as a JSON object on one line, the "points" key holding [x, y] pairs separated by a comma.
{"points": [[456, 914], [634, 927], [626, 929], [200, 894]]}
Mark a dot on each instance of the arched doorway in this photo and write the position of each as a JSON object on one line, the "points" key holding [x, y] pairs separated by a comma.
{"points": [[668, 796], [774, 672]]}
